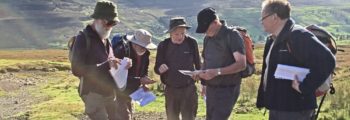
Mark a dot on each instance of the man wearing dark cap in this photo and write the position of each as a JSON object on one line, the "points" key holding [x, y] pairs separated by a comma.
{"points": [[92, 47], [224, 57], [179, 52]]}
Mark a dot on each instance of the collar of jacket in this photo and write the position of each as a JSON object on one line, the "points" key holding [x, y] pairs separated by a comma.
{"points": [[286, 31], [91, 33]]}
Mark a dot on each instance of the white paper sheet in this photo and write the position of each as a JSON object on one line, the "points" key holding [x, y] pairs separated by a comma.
{"points": [[287, 72], [120, 75], [190, 73], [143, 97]]}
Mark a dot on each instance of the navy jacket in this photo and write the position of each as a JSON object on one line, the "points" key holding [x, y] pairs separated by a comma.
{"points": [[95, 79], [305, 51]]}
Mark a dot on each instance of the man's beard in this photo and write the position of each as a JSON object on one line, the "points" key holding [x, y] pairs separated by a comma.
{"points": [[104, 34]]}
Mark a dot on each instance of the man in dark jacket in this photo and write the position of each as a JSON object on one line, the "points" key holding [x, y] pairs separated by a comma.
{"points": [[224, 57], [179, 52], [290, 44], [137, 49], [97, 87]]}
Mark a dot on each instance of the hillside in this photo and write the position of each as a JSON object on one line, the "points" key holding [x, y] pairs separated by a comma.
{"points": [[38, 85], [49, 23]]}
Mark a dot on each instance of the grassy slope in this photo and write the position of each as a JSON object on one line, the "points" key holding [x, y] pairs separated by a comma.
{"points": [[63, 101], [70, 16]]}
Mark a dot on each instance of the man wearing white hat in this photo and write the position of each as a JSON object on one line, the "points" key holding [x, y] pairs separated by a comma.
{"points": [[138, 46]]}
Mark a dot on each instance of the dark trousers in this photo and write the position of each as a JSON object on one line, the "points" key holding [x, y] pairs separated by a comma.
{"points": [[182, 101], [124, 107], [220, 101], [282, 115]]}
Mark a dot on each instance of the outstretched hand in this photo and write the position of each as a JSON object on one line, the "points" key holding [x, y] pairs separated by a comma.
{"points": [[146, 80], [208, 74]]}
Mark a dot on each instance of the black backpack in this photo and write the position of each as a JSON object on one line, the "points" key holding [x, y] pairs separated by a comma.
{"points": [[71, 43], [121, 47], [327, 39]]}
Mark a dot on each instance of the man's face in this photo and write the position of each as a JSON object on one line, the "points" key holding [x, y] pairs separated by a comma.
{"points": [[178, 35], [211, 30], [104, 27], [139, 49], [267, 20]]}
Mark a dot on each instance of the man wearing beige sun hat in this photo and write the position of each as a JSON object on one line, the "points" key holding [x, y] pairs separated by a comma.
{"points": [[178, 52], [136, 47]]}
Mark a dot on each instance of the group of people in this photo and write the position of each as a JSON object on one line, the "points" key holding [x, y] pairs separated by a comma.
{"points": [[223, 58]]}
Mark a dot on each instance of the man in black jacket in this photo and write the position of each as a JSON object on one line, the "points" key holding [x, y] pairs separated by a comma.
{"points": [[179, 52], [91, 47], [290, 44], [136, 49]]}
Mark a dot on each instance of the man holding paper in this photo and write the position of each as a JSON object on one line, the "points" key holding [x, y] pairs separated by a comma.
{"points": [[138, 46], [224, 57], [91, 54], [179, 52], [290, 47]]}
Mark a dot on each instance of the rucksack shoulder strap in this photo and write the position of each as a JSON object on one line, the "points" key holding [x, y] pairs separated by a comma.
{"points": [[88, 40]]}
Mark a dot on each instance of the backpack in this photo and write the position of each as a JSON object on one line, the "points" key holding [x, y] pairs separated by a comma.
{"points": [[120, 44], [249, 47], [327, 39], [70, 46], [71, 42]]}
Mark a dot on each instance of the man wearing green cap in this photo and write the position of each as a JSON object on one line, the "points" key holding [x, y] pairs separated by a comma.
{"points": [[91, 51]]}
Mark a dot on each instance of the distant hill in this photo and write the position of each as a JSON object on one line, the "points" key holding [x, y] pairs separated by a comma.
{"points": [[49, 23]]}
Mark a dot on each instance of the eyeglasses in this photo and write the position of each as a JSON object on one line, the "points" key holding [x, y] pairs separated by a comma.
{"points": [[263, 18], [110, 23]]}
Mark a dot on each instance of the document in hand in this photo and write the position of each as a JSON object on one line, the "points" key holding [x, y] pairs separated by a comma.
{"points": [[120, 75], [190, 73], [143, 97], [287, 72]]}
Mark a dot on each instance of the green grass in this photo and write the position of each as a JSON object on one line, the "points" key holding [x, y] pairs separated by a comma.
{"points": [[343, 42], [64, 101], [29, 64], [2, 93]]}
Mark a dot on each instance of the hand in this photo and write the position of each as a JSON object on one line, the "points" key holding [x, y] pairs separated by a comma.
{"points": [[295, 84], [113, 62], [208, 74], [204, 90], [146, 80], [195, 77], [163, 68], [129, 64], [144, 87]]}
